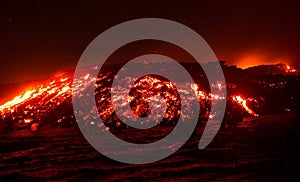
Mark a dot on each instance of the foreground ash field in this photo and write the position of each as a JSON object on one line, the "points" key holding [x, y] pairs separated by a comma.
{"points": [[259, 138]]}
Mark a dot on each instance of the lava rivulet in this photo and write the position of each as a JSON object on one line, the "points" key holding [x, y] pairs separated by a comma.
{"points": [[243, 102]]}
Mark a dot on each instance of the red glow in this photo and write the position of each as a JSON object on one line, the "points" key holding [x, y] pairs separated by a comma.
{"points": [[258, 58]]}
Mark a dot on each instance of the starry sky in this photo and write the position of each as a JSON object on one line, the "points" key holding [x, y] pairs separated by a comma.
{"points": [[39, 38]]}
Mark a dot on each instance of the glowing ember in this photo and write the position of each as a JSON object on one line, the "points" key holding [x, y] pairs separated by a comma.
{"points": [[242, 102], [27, 120], [289, 69], [200, 94], [34, 127]]}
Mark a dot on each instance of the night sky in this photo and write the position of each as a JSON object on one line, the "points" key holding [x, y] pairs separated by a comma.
{"points": [[40, 38]]}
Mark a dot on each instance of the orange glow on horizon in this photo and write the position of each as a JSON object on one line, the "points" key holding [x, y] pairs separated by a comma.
{"points": [[258, 59]]}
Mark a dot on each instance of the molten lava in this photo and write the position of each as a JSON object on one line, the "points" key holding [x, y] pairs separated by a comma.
{"points": [[243, 102], [290, 69], [51, 100], [50, 90]]}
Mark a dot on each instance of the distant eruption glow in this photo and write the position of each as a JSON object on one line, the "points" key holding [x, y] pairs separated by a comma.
{"points": [[259, 58], [249, 61]]}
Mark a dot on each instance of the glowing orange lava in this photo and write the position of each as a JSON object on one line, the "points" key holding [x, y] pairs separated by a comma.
{"points": [[49, 89], [39, 102], [290, 69], [242, 102]]}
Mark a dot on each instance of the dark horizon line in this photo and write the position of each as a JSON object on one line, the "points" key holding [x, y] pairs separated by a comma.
{"points": [[113, 64]]}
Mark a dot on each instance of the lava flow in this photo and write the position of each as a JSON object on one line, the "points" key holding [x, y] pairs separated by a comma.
{"points": [[243, 102], [289, 69], [54, 91], [51, 101]]}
